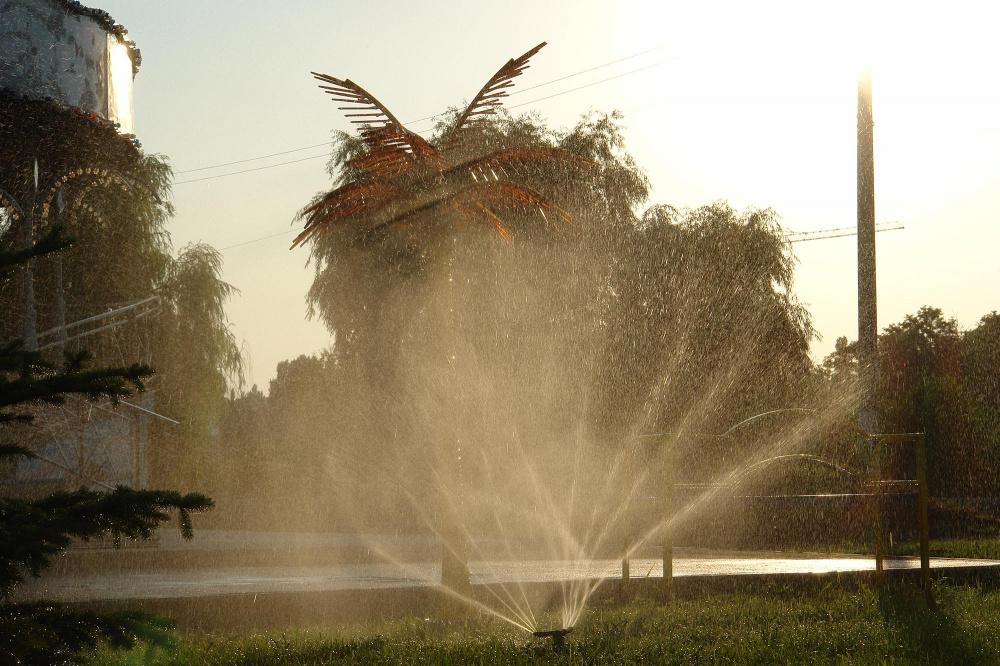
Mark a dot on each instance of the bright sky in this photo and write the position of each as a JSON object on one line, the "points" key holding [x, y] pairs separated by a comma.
{"points": [[749, 102]]}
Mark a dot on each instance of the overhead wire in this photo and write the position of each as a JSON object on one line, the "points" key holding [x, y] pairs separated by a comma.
{"points": [[287, 232], [418, 120], [260, 168], [254, 159]]}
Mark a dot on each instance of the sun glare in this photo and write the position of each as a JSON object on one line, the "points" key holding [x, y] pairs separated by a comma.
{"points": [[120, 85]]}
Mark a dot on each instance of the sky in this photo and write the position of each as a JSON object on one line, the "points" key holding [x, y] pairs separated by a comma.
{"points": [[754, 105]]}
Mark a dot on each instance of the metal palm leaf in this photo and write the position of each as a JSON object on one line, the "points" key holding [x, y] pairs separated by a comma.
{"points": [[400, 175]]}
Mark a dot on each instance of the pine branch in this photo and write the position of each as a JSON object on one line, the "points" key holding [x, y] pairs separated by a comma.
{"points": [[53, 241], [41, 633], [26, 378], [110, 383], [34, 531], [13, 450]]}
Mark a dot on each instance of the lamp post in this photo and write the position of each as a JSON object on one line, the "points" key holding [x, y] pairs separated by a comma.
{"points": [[867, 290]]}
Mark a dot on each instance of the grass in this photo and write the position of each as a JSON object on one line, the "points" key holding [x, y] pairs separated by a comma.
{"points": [[981, 548], [829, 626], [986, 549]]}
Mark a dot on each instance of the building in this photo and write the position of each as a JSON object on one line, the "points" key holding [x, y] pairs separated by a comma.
{"points": [[67, 129]]}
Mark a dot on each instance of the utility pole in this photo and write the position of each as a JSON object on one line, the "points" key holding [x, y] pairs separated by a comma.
{"points": [[867, 296]]}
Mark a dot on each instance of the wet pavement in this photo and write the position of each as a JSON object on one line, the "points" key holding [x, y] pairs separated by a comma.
{"points": [[166, 584]]}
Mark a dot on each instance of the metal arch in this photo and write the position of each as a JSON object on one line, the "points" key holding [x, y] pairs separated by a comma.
{"points": [[757, 417], [804, 457], [744, 422], [93, 178]]}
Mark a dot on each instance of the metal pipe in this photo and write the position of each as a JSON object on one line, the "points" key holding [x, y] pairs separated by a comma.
{"points": [[103, 315]]}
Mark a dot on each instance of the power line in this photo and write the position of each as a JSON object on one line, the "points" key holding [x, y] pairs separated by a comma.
{"points": [[262, 168], [521, 91], [254, 159], [513, 106], [436, 115], [840, 232], [790, 236], [286, 232], [592, 83]]}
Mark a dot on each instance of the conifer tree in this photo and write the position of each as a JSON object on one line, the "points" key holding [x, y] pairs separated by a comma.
{"points": [[32, 531]]}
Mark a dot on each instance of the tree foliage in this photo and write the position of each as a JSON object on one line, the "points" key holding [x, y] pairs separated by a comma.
{"points": [[449, 337], [95, 187], [936, 379], [33, 531], [202, 363]]}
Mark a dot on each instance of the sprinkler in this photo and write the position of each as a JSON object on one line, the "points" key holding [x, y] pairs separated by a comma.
{"points": [[558, 637]]}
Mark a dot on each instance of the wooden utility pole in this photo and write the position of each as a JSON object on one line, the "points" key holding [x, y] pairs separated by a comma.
{"points": [[867, 291]]}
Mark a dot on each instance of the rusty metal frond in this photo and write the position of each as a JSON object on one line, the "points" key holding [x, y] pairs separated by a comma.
{"points": [[340, 204], [498, 160], [379, 128], [498, 224], [500, 195], [490, 97], [491, 197], [391, 153], [401, 176]]}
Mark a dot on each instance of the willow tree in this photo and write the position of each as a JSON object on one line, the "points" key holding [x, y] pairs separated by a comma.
{"points": [[404, 214], [200, 361], [706, 330], [75, 170]]}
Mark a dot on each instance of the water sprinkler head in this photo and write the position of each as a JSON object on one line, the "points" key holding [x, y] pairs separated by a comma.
{"points": [[558, 636]]}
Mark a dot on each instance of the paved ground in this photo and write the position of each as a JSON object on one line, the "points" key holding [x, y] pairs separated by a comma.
{"points": [[260, 580]]}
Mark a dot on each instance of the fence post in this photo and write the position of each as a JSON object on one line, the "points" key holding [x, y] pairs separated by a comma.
{"points": [[667, 532], [626, 571], [668, 567], [879, 525], [923, 493]]}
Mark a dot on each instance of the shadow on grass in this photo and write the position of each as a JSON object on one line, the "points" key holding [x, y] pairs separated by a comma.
{"points": [[932, 635]]}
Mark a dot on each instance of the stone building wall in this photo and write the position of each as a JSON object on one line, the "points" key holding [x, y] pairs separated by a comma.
{"points": [[61, 50]]}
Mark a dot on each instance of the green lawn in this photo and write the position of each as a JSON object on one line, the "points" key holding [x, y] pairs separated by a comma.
{"points": [[987, 549], [828, 626]]}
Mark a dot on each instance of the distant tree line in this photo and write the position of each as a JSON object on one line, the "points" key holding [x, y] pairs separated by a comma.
{"points": [[453, 347], [448, 336], [937, 379]]}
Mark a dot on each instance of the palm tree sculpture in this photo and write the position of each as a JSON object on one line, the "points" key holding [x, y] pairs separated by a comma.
{"points": [[402, 178], [401, 175]]}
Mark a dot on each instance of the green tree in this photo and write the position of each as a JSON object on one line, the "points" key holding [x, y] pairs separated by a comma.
{"points": [[33, 531], [981, 404], [704, 328], [933, 379], [246, 492], [77, 171], [200, 363], [920, 390]]}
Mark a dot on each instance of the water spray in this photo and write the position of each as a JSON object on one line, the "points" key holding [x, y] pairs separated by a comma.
{"points": [[558, 636]]}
